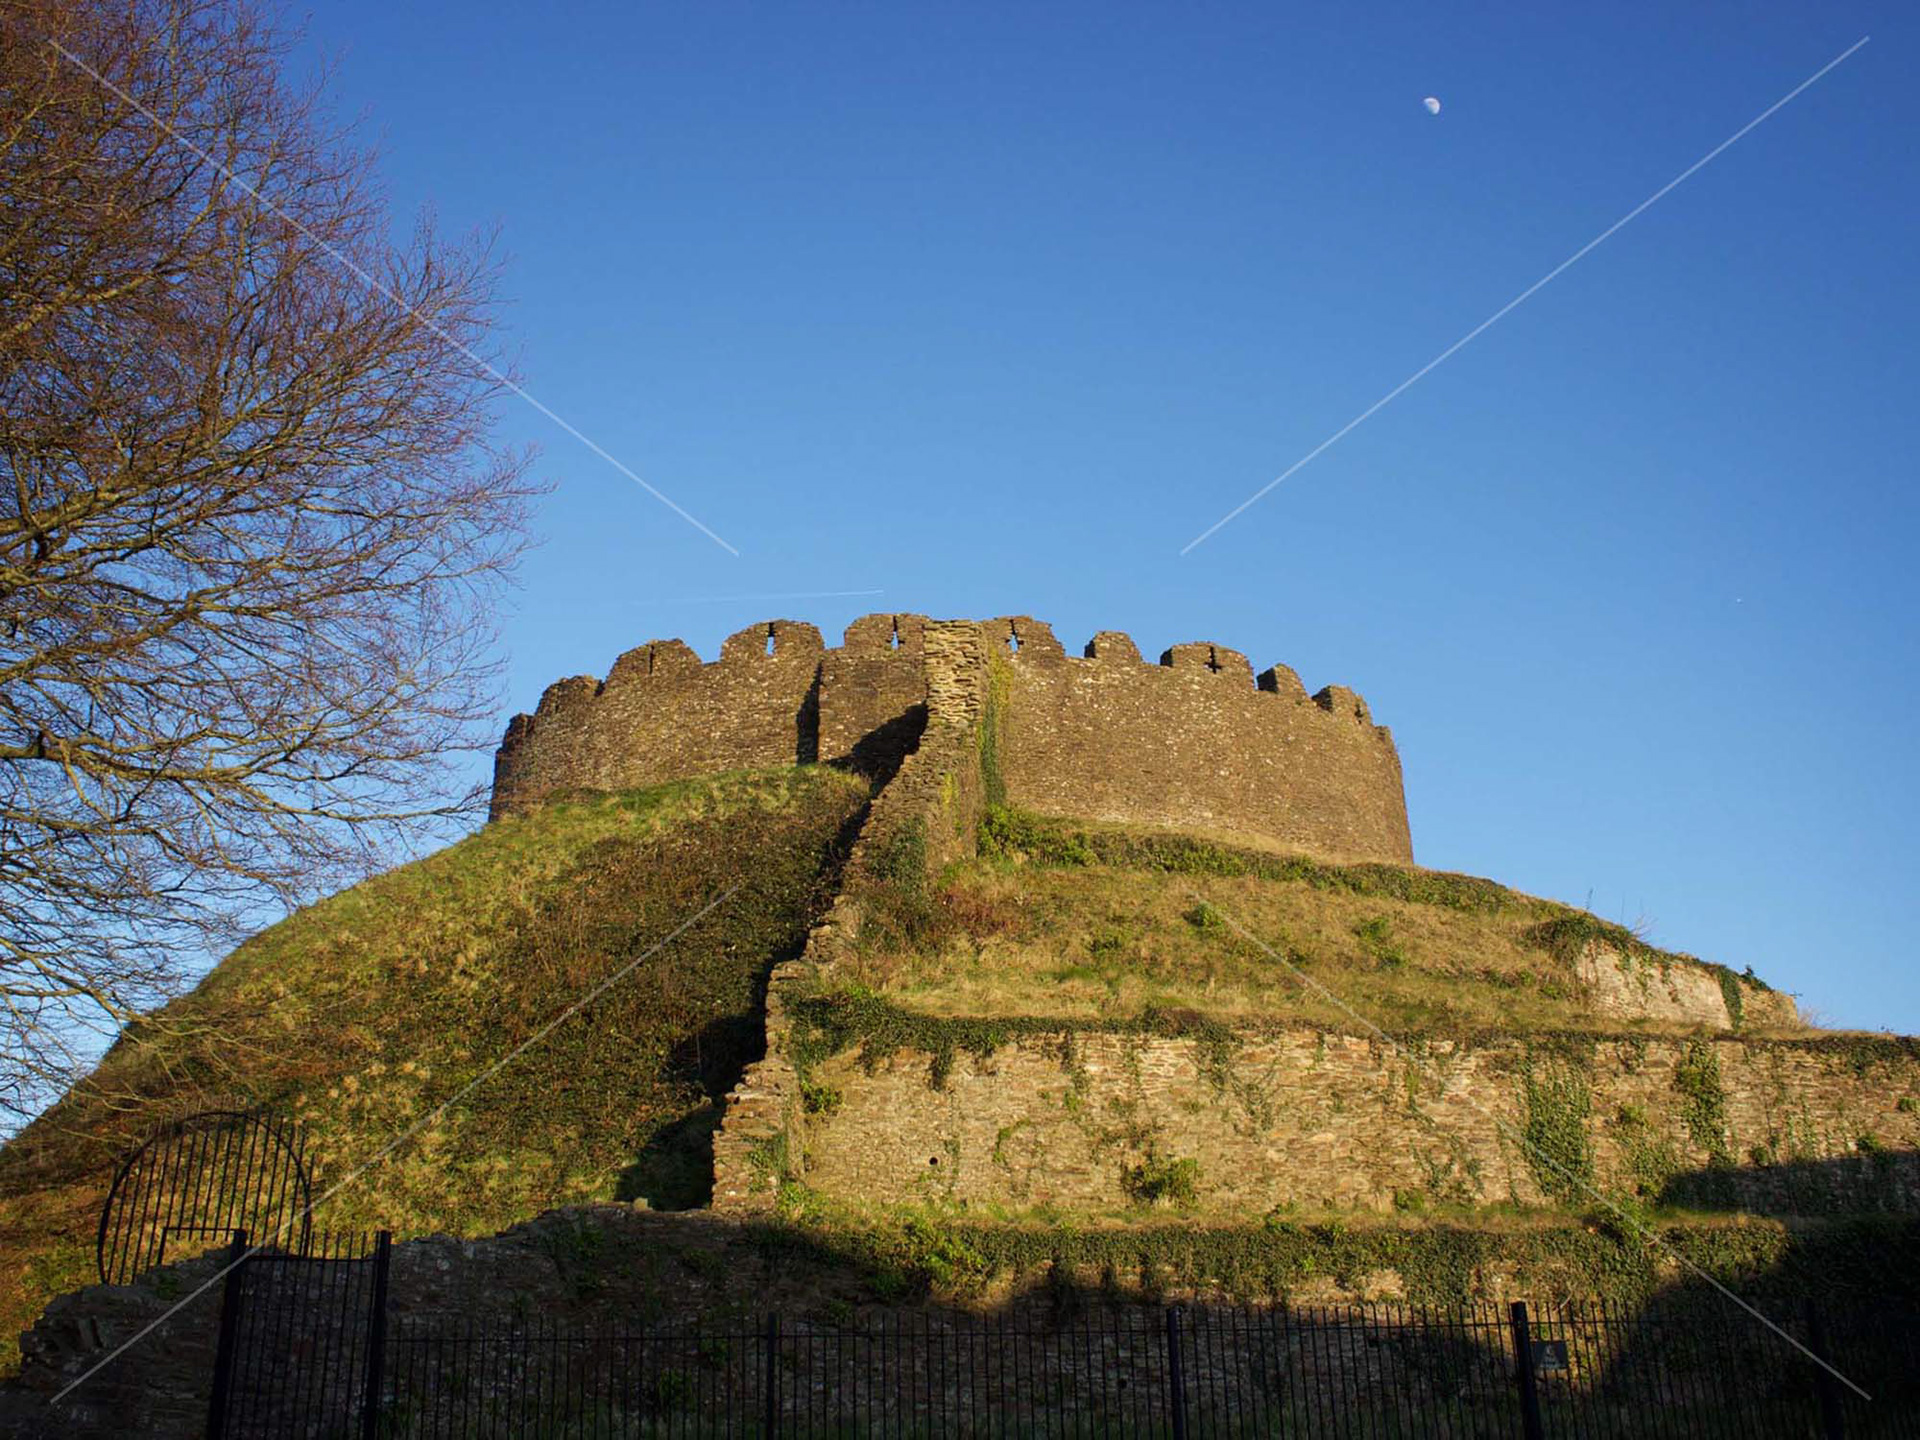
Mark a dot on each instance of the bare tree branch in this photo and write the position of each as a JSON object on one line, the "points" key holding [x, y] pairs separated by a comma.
{"points": [[251, 521]]}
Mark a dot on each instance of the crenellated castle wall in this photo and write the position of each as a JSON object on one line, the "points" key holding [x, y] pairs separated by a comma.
{"points": [[1194, 742], [661, 715]]}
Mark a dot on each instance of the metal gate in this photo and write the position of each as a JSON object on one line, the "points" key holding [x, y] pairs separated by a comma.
{"points": [[302, 1339], [194, 1182]]}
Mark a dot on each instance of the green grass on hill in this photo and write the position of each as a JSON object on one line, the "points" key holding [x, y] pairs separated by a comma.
{"points": [[362, 1013], [1103, 925]]}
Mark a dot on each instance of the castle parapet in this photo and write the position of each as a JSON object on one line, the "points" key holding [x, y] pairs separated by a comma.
{"points": [[788, 641], [662, 714], [1279, 680], [1025, 636], [872, 694], [891, 635], [1115, 646], [1194, 742]]}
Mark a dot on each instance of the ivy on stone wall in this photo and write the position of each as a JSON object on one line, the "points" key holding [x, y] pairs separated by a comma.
{"points": [[828, 1024], [1434, 1263], [1703, 1100], [992, 731], [1556, 1101], [1162, 1180], [1730, 993], [1648, 1157]]}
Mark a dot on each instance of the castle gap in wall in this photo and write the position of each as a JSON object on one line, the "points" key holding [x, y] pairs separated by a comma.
{"points": [[1196, 742]]}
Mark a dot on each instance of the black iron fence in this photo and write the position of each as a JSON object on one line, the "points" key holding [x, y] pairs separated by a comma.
{"points": [[306, 1350]]}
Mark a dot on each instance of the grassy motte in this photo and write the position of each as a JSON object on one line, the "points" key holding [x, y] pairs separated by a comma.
{"points": [[363, 1013], [1098, 924]]}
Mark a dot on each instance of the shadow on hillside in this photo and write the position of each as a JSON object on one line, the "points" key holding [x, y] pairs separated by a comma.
{"points": [[1828, 1335], [674, 1169], [600, 1311], [1846, 1293]]}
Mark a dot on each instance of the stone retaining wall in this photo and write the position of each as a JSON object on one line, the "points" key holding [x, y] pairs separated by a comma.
{"points": [[1303, 1118]]}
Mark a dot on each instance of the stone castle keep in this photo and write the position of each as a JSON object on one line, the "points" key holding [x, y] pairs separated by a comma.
{"points": [[950, 718], [1195, 743]]}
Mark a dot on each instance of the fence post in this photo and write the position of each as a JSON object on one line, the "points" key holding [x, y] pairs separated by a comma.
{"points": [[229, 1335], [1833, 1421], [377, 1336], [1530, 1425], [1176, 1378], [773, 1380]]}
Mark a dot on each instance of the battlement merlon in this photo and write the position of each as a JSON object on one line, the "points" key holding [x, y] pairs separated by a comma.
{"points": [[1195, 742]]}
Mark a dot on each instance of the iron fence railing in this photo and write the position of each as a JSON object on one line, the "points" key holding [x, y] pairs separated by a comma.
{"points": [[306, 1349], [1374, 1372]]}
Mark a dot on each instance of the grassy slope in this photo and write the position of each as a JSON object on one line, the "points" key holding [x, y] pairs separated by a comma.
{"points": [[1103, 924], [1103, 927], [362, 1013]]}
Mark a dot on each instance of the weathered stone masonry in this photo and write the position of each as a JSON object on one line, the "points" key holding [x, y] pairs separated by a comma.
{"points": [[945, 712], [937, 794], [1193, 742], [1298, 1117]]}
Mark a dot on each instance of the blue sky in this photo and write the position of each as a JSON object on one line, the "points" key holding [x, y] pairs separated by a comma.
{"points": [[992, 308]]}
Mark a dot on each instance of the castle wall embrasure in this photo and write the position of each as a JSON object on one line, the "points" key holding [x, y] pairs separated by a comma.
{"points": [[1193, 742], [873, 693]]}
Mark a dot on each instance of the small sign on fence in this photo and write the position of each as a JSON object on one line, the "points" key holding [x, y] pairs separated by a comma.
{"points": [[1549, 1357]]}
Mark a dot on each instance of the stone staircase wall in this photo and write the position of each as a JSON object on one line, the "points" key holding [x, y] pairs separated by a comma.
{"points": [[931, 805]]}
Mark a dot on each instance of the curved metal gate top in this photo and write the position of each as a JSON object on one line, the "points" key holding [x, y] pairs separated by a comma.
{"points": [[194, 1182]]}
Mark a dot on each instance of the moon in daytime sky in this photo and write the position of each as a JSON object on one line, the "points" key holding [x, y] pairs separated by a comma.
{"points": [[1433, 105]]}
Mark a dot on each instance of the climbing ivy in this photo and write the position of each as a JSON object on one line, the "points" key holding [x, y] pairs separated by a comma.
{"points": [[1438, 1263], [992, 731], [1158, 1180], [1703, 1100], [1730, 993], [827, 1024], [1649, 1158], [1557, 1101]]}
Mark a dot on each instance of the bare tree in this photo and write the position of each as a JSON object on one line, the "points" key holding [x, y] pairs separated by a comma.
{"points": [[251, 524]]}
